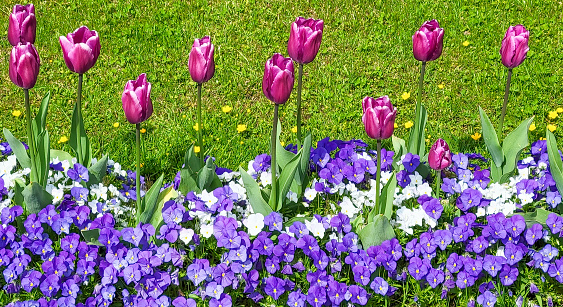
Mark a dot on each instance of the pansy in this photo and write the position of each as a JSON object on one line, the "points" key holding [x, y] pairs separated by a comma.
{"points": [[508, 275], [487, 299], [554, 222], [357, 295], [78, 173]]}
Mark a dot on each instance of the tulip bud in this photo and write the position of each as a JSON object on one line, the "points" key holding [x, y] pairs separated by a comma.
{"points": [[379, 117], [278, 78], [24, 65], [22, 25], [81, 49], [428, 41], [439, 156], [305, 39], [136, 100], [201, 63], [514, 46]]}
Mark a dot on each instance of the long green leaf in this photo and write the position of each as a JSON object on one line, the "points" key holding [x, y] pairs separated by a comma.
{"points": [[19, 186], [387, 197], [78, 134], [400, 149], [163, 197], [555, 162], [254, 194], [513, 145], [188, 182], [538, 216], [36, 198], [376, 232], [40, 119], [286, 178], [417, 141], [98, 171], [43, 157], [491, 139], [205, 175], [148, 204], [191, 161], [18, 149], [61, 155], [282, 156], [91, 237]]}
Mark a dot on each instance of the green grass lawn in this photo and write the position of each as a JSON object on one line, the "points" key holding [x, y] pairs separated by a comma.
{"points": [[366, 50]]}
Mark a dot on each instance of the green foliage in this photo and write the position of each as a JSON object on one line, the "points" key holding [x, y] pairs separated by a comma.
{"points": [[537, 216], [194, 177], [35, 197], [149, 202], [97, 171], [78, 134], [374, 233], [254, 194], [555, 162], [417, 140]]}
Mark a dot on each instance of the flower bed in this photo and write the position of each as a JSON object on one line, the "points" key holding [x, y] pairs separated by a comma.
{"points": [[212, 249]]}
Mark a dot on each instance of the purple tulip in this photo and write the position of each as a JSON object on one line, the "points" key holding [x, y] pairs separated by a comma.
{"points": [[428, 41], [24, 65], [278, 78], [81, 49], [136, 100], [201, 63], [22, 25], [514, 46], [379, 117], [439, 156], [305, 39]]}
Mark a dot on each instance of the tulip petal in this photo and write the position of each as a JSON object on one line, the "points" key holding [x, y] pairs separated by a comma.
{"points": [[81, 57], [420, 45], [131, 107], [28, 28], [27, 71], [281, 87], [197, 65], [14, 30]]}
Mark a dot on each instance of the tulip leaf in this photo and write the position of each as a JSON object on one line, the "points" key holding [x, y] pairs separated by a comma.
{"points": [[555, 162], [188, 182], [36, 198], [537, 216], [254, 194], [18, 148], [417, 141], [19, 186], [286, 178], [400, 149], [61, 155], [149, 201], [78, 134], [491, 139], [292, 220], [376, 232], [282, 156], [513, 145], [43, 157], [91, 236], [98, 171], [40, 120], [205, 175], [163, 197], [191, 161]]}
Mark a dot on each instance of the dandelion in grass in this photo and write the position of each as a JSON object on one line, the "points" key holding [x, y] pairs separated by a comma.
{"points": [[552, 114], [226, 109], [476, 136], [63, 139], [196, 149], [532, 127], [465, 43], [408, 124], [16, 113], [116, 125], [143, 130], [405, 95], [241, 128], [294, 129], [441, 86], [551, 127]]}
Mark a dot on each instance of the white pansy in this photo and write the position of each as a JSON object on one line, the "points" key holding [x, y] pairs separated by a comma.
{"points": [[208, 198], [310, 194], [424, 189], [526, 198], [206, 231], [291, 196], [254, 223], [385, 176], [266, 178], [58, 195], [186, 235], [481, 211], [416, 179], [315, 227], [251, 170], [348, 208]]}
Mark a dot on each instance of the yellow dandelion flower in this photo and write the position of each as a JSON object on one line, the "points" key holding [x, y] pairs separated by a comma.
{"points": [[465, 44], [551, 127], [282, 143], [532, 127], [16, 113], [142, 164], [184, 116], [441, 86], [196, 126], [395, 126], [226, 109], [63, 139], [116, 125], [247, 110], [559, 110], [241, 128], [553, 114], [406, 95], [476, 136], [143, 130], [196, 149], [294, 129], [408, 124], [241, 142]]}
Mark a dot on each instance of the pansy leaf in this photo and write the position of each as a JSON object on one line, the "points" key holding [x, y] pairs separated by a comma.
{"points": [[555, 162], [18, 149], [376, 232], [254, 194], [163, 197], [491, 139], [149, 202], [36, 198], [98, 171], [91, 236], [286, 178], [513, 145]]}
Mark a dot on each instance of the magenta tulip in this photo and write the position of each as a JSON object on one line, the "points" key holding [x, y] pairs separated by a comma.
{"points": [[201, 63], [278, 78], [379, 117], [22, 25], [428, 41], [136, 100], [514, 46], [305, 39], [80, 49], [24, 65], [439, 156]]}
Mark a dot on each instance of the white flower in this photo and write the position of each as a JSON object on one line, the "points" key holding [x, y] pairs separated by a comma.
{"points": [[416, 179], [254, 223], [291, 196], [310, 194], [206, 231], [526, 198], [424, 189], [239, 189], [524, 172], [99, 191], [481, 211], [58, 195], [266, 178], [351, 187], [208, 198], [542, 165], [385, 176], [316, 228], [251, 170], [186, 235], [500, 252], [348, 207]]}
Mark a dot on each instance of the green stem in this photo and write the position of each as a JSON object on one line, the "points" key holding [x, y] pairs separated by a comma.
{"points": [[378, 177], [438, 179], [273, 154], [199, 125], [417, 111], [506, 91], [138, 177], [80, 155], [30, 139], [299, 87]]}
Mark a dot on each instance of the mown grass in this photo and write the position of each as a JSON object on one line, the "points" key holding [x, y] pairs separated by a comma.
{"points": [[366, 50]]}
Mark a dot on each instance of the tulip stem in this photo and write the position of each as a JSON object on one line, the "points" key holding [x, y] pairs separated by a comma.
{"points": [[79, 156], [199, 124], [438, 179], [378, 177], [138, 175], [417, 149], [273, 154], [30, 139], [506, 91], [299, 105]]}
